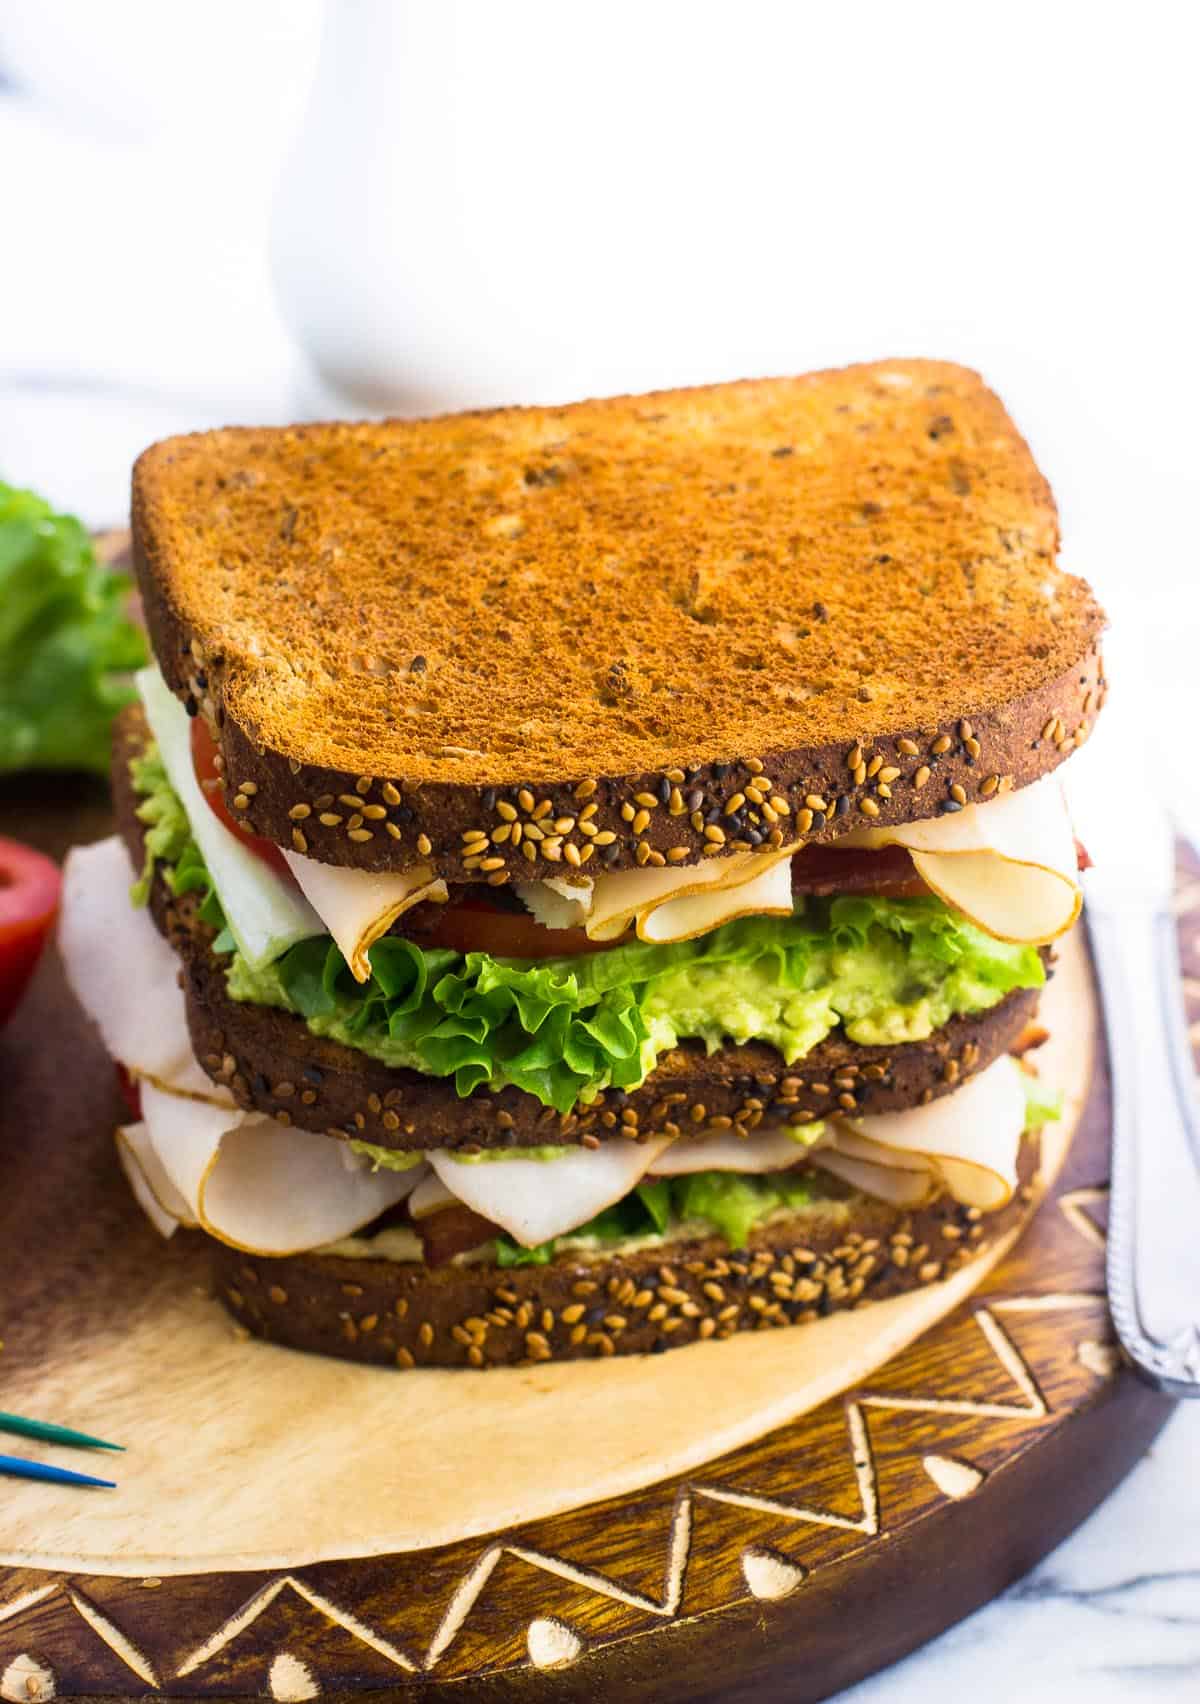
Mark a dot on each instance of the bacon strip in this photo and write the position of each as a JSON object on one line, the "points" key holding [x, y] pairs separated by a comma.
{"points": [[887, 870], [451, 1231]]}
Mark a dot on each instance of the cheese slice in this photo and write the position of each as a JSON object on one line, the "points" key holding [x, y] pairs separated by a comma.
{"points": [[556, 904], [257, 1185], [534, 1200], [122, 971], [265, 915], [965, 1143], [673, 905], [430, 1196], [358, 906], [1009, 865], [774, 1150]]}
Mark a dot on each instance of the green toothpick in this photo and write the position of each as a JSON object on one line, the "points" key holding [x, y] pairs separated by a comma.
{"points": [[47, 1433]]}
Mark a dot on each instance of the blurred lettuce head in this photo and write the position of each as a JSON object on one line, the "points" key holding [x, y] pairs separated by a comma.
{"points": [[67, 645]]}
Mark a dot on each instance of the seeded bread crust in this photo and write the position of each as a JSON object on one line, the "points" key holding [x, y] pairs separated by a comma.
{"points": [[273, 1063], [796, 1269], [641, 630]]}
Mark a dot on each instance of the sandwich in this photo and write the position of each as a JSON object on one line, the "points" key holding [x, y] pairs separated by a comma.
{"points": [[585, 875]]}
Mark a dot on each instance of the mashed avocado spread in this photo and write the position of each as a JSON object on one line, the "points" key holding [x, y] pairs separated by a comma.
{"points": [[887, 971]]}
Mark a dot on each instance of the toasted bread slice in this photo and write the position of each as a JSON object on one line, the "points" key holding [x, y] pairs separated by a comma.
{"points": [[798, 1267], [273, 1063], [630, 619]]}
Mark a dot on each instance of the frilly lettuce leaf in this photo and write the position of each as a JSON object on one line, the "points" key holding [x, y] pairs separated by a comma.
{"points": [[565, 1029], [66, 644]]}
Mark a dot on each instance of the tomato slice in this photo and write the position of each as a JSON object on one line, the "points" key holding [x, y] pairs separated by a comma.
{"points": [[29, 890], [474, 925], [204, 761]]}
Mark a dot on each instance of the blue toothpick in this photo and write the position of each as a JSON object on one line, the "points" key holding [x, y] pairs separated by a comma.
{"points": [[20, 1467]]}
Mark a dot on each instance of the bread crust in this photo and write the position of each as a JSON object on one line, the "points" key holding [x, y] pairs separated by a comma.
{"points": [[872, 619], [796, 1270], [272, 1062]]}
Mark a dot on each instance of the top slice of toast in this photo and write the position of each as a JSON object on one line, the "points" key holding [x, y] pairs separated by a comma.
{"points": [[620, 613]]}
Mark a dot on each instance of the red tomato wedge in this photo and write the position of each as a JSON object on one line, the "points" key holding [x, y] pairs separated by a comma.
{"points": [[204, 761], [29, 889]]}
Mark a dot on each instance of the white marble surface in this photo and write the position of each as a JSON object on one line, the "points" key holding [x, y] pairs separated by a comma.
{"points": [[1005, 193]]}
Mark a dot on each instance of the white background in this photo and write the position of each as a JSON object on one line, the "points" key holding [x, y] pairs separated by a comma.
{"points": [[532, 201]]}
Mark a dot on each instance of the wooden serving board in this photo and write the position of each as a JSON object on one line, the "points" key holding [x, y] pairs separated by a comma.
{"points": [[789, 1567]]}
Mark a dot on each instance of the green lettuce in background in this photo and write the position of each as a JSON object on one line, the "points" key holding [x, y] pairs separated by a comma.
{"points": [[65, 641]]}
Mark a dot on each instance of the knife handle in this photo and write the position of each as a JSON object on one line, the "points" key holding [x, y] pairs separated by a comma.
{"points": [[1154, 1208]]}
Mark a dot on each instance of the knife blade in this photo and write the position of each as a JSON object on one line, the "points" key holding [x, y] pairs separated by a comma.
{"points": [[1153, 1256]]}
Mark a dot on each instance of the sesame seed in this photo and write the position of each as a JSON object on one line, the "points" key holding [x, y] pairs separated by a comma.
{"points": [[424, 845], [241, 802], [734, 803], [641, 852], [647, 800], [873, 768], [922, 775], [988, 787], [501, 834], [780, 804], [375, 813], [973, 747], [299, 812], [958, 794], [563, 825], [470, 834], [909, 748], [491, 863], [854, 757], [714, 834], [541, 809], [941, 744], [676, 854], [889, 773], [604, 838], [525, 799], [393, 830], [351, 801], [868, 807], [641, 822], [248, 787], [571, 854], [507, 811], [298, 841], [585, 790]]}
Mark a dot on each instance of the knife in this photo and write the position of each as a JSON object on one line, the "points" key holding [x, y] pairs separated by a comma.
{"points": [[1154, 1206]]}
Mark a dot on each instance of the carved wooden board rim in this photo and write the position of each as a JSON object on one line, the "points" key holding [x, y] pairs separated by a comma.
{"points": [[919, 1493]]}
